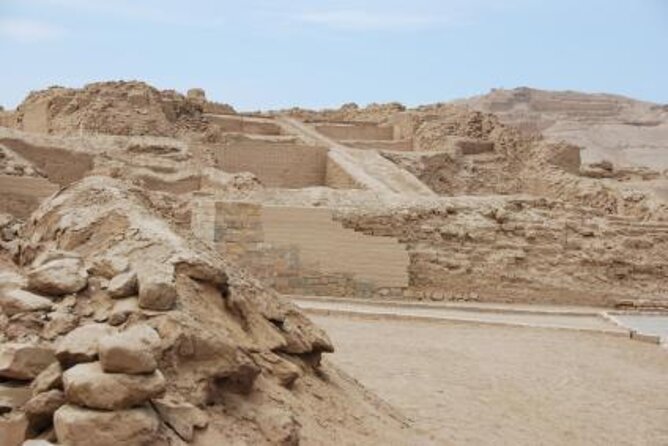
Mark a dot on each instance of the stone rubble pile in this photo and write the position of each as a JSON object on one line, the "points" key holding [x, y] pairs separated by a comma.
{"points": [[124, 335]]}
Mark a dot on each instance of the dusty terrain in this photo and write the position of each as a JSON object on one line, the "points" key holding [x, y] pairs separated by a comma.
{"points": [[146, 237], [480, 385]]}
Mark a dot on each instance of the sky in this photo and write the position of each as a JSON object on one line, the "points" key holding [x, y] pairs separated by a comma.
{"points": [[268, 54]]}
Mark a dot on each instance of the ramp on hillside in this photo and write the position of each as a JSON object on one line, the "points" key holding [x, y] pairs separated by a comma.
{"points": [[367, 167]]}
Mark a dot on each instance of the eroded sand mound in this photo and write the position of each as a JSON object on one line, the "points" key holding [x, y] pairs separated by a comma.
{"points": [[117, 328], [116, 108]]}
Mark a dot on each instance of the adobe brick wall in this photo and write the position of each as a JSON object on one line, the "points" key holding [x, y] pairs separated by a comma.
{"points": [[242, 124], [337, 178], [20, 196], [302, 250], [7, 119], [276, 164], [357, 131], [60, 166], [36, 117]]}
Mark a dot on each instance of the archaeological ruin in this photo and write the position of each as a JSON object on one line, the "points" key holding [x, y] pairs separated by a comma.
{"points": [[151, 242]]}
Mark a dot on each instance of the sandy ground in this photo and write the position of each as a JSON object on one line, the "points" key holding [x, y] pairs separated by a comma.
{"points": [[470, 384]]}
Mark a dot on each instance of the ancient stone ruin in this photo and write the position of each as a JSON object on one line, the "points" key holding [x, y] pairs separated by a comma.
{"points": [[146, 238]]}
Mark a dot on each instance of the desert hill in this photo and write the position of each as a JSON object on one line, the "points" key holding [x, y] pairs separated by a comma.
{"points": [[611, 128]]}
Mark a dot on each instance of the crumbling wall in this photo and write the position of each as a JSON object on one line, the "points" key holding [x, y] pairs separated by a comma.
{"points": [[116, 108], [526, 250], [302, 250]]}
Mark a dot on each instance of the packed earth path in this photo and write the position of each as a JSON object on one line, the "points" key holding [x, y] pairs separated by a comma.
{"points": [[467, 382]]}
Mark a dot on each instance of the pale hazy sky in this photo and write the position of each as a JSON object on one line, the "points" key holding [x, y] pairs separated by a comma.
{"points": [[279, 53]]}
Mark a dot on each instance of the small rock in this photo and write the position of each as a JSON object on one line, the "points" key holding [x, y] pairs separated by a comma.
{"points": [[13, 429], [198, 269], [108, 266], [59, 324], [58, 274], [285, 371], [50, 378], [132, 351], [123, 285], [122, 309], [279, 427], [304, 337], [157, 291], [40, 409], [13, 396], [182, 416], [501, 215], [14, 301], [89, 386], [24, 361], [77, 426], [80, 345]]}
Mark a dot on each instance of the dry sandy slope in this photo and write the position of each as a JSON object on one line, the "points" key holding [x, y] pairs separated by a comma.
{"points": [[481, 385]]}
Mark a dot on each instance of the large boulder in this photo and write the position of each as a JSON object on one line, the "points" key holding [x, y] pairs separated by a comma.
{"points": [[57, 273], [77, 426], [132, 351], [24, 361], [14, 301], [81, 344], [89, 386]]}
